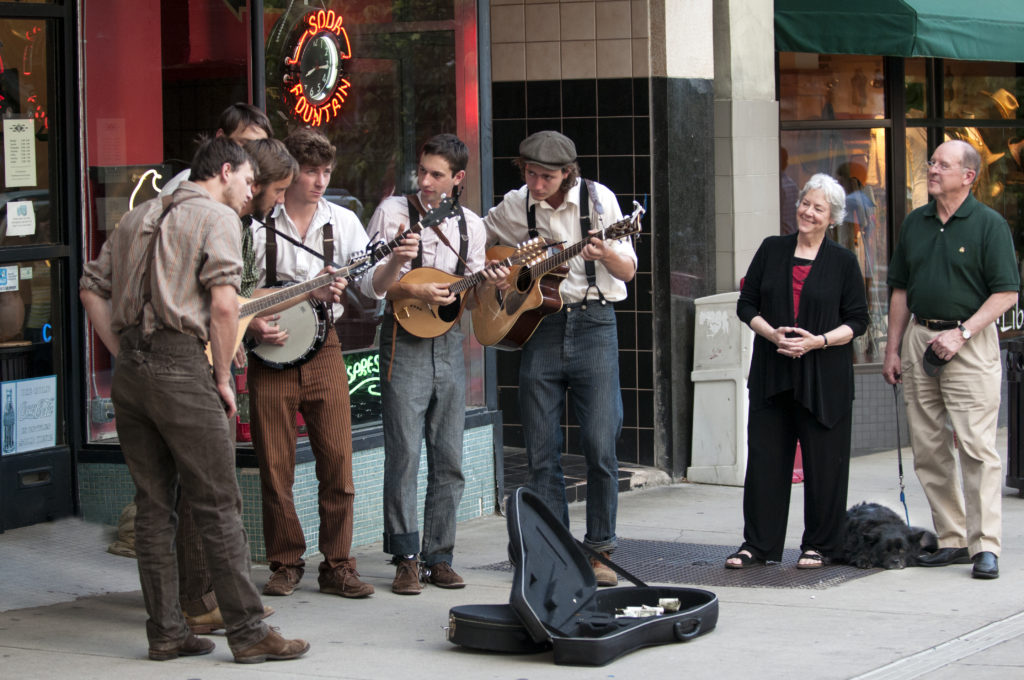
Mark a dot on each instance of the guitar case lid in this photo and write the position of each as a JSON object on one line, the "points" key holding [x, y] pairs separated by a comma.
{"points": [[555, 594]]}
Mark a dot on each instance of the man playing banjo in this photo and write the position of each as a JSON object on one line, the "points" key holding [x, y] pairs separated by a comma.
{"points": [[316, 387]]}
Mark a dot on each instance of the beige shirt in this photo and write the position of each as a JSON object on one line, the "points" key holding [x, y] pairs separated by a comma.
{"points": [[198, 247], [393, 214], [506, 225]]}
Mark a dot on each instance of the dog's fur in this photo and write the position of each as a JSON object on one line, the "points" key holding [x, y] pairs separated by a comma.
{"points": [[878, 537]]}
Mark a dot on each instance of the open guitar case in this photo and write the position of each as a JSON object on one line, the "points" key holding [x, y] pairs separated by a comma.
{"points": [[555, 603]]}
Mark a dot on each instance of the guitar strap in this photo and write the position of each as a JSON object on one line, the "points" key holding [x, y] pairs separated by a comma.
{"points": [[271, 248], [586, 190], [416, 209]]}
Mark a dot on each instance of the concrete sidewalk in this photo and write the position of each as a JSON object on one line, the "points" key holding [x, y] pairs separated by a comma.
{"points": [[888, 624]]}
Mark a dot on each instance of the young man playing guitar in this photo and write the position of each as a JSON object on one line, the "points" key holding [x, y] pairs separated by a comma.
{"points": [[318, 388], [576, 347], [424, 392]]}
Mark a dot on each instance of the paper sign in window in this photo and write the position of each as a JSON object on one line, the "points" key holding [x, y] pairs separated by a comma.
{"points": [[21, 218], [19, 152]]}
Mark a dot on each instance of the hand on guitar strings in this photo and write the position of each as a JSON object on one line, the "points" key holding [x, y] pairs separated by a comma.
{"points": [[497, 275], [596, 249], [433, 293], [264, 329], [331, 293]]}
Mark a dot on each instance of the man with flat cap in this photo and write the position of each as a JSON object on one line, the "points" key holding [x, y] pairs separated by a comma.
{"points": [[577, 347]]}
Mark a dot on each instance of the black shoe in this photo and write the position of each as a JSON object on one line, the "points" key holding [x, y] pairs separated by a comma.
{"points": [[986, 565], [943, 557]]}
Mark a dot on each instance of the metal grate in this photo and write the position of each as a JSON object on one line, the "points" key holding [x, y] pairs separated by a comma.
{"points": [[702, 565]]}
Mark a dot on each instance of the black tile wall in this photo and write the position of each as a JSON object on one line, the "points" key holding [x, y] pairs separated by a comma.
{"points": [[608, 120]]}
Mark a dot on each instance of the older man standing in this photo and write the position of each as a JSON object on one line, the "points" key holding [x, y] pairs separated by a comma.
{"points": [[954, 270]]}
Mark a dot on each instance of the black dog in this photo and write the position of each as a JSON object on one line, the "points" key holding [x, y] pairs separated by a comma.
{"points": [[878, 537]]}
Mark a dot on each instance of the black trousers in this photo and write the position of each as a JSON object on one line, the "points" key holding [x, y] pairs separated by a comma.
{"points": [[772, 434]]}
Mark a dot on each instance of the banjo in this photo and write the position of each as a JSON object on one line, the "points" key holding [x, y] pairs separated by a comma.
{"points": [[308, 319]]}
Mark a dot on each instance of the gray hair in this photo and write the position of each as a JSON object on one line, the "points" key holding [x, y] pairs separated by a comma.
{"points": [[834, 194]]}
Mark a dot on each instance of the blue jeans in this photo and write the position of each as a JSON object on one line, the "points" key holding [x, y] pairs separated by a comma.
{"points": [[426, 396], [576, 349]]}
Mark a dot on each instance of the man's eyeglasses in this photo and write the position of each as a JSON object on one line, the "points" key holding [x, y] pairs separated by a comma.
{"points": [[941, 166]]}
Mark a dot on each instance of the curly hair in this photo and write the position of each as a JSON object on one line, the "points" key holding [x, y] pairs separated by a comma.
{"points": [[310, 147]]}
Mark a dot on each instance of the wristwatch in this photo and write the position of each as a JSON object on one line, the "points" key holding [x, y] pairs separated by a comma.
{"points": [[964, 331]]}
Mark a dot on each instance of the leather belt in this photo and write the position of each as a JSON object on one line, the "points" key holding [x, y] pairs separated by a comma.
{"points": [[936, 324]]}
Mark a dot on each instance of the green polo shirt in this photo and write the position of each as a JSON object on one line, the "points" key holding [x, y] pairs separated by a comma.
{"points": [[949, 270]]}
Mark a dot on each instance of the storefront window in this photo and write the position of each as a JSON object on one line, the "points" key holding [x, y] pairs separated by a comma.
{"points": [[856, 158], [386, 78], [815, 88], [830, 87], [32, 330], [29, 165], [32, 341], [157, 75]]}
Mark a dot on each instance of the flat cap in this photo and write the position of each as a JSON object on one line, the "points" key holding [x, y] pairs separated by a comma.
{"points": [[548, 149]]}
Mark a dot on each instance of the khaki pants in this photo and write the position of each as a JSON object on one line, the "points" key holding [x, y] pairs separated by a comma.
{"points": [[963, 399]]}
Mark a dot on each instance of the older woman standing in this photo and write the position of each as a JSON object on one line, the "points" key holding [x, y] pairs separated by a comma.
{"points": [[804, 297]]}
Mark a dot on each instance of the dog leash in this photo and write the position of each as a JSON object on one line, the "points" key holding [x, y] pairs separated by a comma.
{"points": [[899, 452]]}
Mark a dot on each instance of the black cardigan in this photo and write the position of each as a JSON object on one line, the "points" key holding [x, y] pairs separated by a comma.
{"points": [[833, 294]]}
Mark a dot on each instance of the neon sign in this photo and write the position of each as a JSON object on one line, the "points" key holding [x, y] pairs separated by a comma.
{"points": [[314, 74], [363, 374]]}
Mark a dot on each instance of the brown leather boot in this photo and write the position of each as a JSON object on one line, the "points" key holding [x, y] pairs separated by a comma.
{"points": [[344, 581], [192, 646], [443, 576], [284, 581], [407, 577], [272, 648]]}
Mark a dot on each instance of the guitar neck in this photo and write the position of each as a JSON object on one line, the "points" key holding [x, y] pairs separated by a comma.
{"points": [[257, 305], [558, 259], [473, 279]]}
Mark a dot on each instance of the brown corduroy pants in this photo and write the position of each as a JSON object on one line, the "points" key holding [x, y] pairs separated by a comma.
{"points": [[319, 390]]}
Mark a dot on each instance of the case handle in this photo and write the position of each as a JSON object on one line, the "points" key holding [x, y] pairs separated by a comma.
{"points": [[681, 632]]}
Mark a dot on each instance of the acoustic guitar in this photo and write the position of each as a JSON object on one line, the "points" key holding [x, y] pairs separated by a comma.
{"points": [[507, 320], [306, 320], [428, 320]]}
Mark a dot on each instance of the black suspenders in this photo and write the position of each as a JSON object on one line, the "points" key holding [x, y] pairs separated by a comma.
{"points": [[270, 255], [460, 268], [586, 187]]}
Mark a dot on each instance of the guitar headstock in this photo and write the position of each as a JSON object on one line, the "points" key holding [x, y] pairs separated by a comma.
{"points": [[627, 227], [528, 250], [448, 206], [358, 264]]}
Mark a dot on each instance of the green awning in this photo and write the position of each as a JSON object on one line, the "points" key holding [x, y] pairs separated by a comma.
{"points": [[977, 30]]}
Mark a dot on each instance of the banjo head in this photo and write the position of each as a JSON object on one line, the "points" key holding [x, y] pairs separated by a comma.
{"points": [[306, 324]]}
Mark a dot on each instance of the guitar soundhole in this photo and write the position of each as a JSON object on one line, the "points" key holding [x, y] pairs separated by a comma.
{"points": [[449, 313], [524, 280]]}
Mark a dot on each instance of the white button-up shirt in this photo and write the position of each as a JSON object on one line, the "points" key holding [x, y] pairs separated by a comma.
{"points": [[506, 224], [297, 265], [393, 214]]}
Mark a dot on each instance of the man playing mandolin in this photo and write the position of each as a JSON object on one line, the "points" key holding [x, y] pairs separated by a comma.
{"points": [[424, 391], [577, 347], [316, 387]]}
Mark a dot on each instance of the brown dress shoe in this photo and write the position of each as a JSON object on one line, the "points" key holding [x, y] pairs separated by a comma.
{"points": [[604, 574], [344, 581], [192, 646], [204, 624], [272, 648], [407, 578], [283, 581], [443, 576]]}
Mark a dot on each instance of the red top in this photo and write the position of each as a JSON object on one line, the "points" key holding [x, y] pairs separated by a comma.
{"points": [[800, 272]]}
